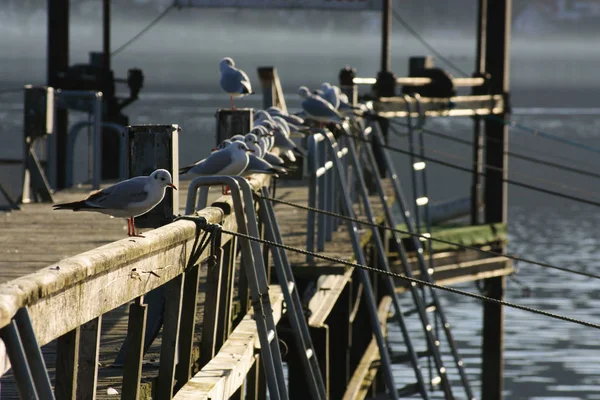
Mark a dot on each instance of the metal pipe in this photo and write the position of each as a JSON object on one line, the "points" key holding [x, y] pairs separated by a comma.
{"points": [[18, 361], [386, 28], [364, 276], [34, 356]]}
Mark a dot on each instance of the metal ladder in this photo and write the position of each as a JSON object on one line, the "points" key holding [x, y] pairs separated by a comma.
{"points": [[256, 275], [425, 271], [292, 299]]}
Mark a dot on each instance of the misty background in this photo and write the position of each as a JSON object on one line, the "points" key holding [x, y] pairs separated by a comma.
{"points": [[554, 44]]}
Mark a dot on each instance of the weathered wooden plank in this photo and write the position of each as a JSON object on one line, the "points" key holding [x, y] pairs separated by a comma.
{"points": [[168, 349], [326, 297], [224, 374], [132, 371], [67, 359], [208, 347], [367, 367], [183, 371], [89, 350]]}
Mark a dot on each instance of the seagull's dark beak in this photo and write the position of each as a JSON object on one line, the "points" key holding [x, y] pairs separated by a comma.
{"points": [[250, 150], [173, 186]]}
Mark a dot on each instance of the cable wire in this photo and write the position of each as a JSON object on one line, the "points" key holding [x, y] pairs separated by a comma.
{"points": [[412, 280], [144, 30], [491, 167], [425, 43], [404, 232], [508, 152]]}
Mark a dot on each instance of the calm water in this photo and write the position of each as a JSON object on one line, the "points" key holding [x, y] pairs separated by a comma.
{"points": [[544, 358]]}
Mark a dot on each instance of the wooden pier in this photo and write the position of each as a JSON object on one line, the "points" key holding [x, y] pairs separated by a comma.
{"points": [[75, 269]]}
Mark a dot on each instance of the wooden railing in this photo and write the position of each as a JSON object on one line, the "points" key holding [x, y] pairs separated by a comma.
{"points": [[66, 302]]}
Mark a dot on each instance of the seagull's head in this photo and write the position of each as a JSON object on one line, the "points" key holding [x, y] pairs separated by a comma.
{"points": [[261, 131], [274, 111], [226, 63], [250, 138], [162, 178], [262, 115], [303, 92], [223, 144], [242, 147], [325, 86], [237, 138]]}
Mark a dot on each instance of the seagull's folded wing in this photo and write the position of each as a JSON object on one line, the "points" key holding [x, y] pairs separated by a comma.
{"points": [[121, 195]]}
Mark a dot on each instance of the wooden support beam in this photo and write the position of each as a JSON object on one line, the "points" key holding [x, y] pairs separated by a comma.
{"points": [[170, 334], [271, 87], [227, 289], [132, 370], [67, 359], [256, 385], [89, 352], [209, 346], [367, 367], [233, 361], [464, 106], [183, 371]]}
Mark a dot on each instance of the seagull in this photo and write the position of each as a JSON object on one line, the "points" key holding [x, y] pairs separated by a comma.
{"points": [[317, 108], [331, 94], [127, 199], [231, 161], [234, 82], [253, 144]]}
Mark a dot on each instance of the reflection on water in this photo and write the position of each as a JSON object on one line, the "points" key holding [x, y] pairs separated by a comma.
{"points": [[545, 359]]}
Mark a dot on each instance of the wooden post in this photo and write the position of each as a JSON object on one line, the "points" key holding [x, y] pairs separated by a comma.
{"points": [[209, 346], [256, 388], [67, 359], [132, 372], [89, 351], [58, 62], [152, 147], [227, 289], [233, 122], [38, 122], [347, 85], [168, 348], [271, 86], [183, 372], [497, 61], [339, 350]]}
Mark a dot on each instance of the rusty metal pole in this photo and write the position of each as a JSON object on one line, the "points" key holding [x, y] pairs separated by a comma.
{"points": [[57, 64], [497, 60]]}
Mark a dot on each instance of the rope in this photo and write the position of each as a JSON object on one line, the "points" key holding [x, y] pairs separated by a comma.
{"points": [[404, 232], [415, 280], [146, 28], [508, 152], [425, 43]]}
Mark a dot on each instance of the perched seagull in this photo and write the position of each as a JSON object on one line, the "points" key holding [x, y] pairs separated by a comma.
{"points": [[231, 161], [293, 119], [234, 82], [260, 166], [318, 109], [126, 199], [331, 94], [253, 144]]}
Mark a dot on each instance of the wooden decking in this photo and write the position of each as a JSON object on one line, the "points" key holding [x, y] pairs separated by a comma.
{"points": [[37, 237]]}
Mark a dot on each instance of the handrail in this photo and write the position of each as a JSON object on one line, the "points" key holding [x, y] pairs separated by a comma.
{"points": [[87, 285]]}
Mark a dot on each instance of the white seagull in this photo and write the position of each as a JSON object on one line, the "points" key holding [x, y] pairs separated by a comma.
{"points": [[127, 199], [317, 108], [234, 82]]}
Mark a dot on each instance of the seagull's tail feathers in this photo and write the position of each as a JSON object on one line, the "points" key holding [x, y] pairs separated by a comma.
{"points": [[75, 206], [184, 170]]}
